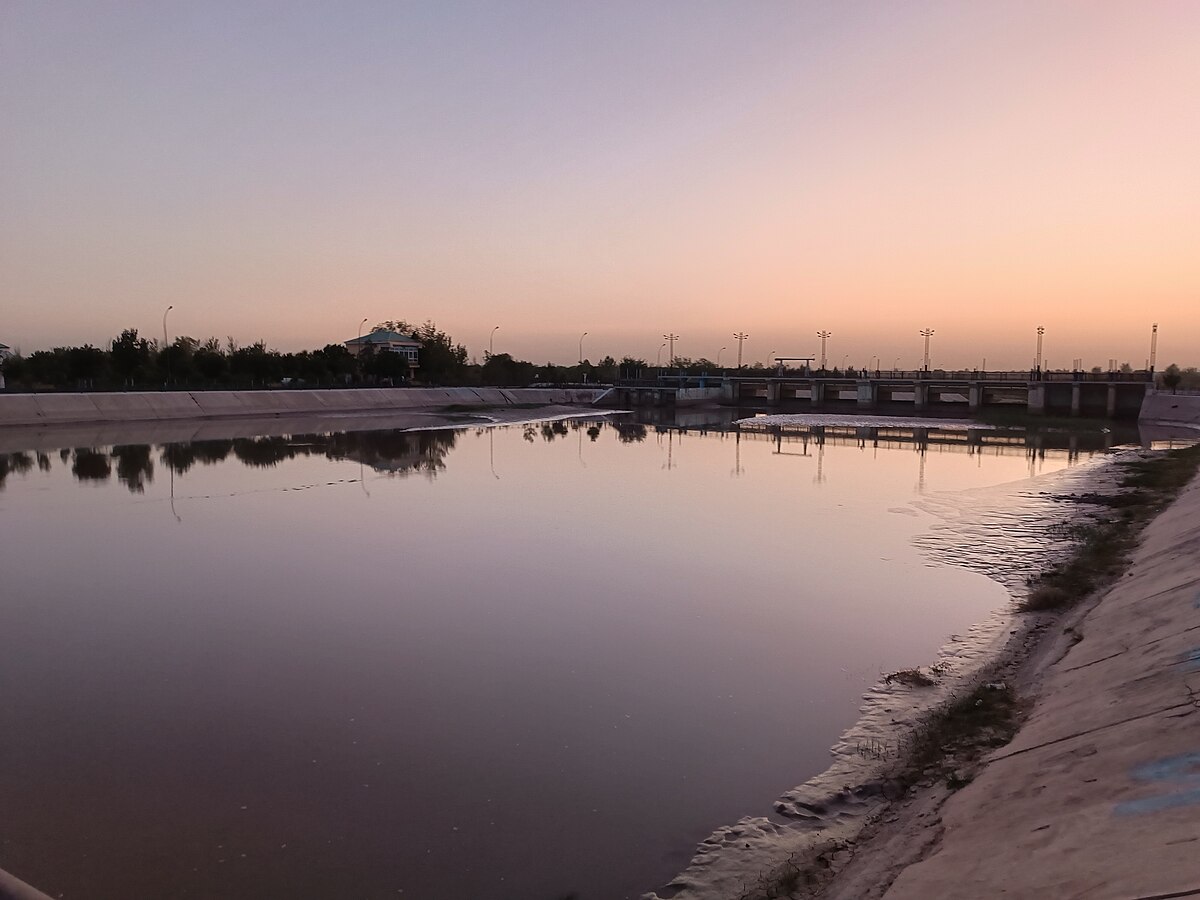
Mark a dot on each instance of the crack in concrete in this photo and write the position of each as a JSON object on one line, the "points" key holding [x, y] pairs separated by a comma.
{"points": [[1077, 734]]}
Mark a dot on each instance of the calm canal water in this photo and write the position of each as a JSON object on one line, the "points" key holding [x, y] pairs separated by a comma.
{"points": [[518, 662]]}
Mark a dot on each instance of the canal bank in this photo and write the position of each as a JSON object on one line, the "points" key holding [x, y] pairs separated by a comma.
{"points": [[1094, 796], [152, 406]]}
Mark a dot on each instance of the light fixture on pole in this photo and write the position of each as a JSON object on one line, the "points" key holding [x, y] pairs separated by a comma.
{"points": [[671, 338], [1153, 346], [492, 341], [928, 333], [719, 352], [741, 337], [581, 337], [658, 359], [1037, 360], [824, 336]]}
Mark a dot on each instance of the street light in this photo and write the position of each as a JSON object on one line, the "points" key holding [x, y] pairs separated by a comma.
{"points": [[928, 333], [1037, 360], [1154, 347], [824, 336], [741, 337], [581, 337], [671, 338], [168, 355], [719, 352], [658, 360], [895, 365], [492, 341]]}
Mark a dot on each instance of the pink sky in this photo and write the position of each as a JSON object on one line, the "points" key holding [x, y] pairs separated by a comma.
{"points": [[281, 171]]}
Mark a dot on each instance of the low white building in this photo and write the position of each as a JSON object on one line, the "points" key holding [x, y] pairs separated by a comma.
{"points": [[391, 341]]}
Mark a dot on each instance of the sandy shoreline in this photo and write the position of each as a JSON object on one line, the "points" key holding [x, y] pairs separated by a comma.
{"points": [[854, 842]]}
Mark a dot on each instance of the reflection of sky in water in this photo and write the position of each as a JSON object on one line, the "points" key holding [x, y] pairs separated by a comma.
{"points": [[500, 662]]}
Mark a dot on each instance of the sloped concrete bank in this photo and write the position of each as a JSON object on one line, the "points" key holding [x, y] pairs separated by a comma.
{"points": [[1177, 410], [1098, 794], [148, 406]]}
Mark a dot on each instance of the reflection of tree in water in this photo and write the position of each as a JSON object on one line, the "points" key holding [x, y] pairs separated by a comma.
{"points": [[91, 465], [266, 452], [43, 461], [135, 468], [181, 457], [553, 430], [394, 452], [630, 432], [18, 463]]}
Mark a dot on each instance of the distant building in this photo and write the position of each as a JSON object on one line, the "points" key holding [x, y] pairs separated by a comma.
{"points": [[390, 341]]}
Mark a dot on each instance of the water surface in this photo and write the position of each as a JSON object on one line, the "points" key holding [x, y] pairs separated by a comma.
{"points": [[517, 662]]}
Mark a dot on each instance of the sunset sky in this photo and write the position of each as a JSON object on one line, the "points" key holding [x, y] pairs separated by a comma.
{"points": [[280, 171]]}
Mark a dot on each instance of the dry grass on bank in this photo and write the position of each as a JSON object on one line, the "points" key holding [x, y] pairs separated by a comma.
{"points": [[1104, 546]]}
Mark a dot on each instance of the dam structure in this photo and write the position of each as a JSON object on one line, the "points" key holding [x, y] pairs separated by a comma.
{"points": [[1110, 395]]}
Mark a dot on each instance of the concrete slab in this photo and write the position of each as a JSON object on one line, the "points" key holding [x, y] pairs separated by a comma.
{"points": [[67, 408], [123, 407], [219, 403], [173, 405], [19, 409]]}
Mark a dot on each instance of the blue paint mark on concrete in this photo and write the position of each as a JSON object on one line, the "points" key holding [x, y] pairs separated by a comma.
{"points": [[1177, 776], [1192, 660]]}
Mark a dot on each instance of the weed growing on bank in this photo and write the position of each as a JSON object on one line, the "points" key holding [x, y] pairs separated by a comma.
{"points": [[1103, 547]]}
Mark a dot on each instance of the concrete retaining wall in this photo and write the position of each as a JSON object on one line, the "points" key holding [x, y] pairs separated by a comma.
{"points": [[45, 409], [1165, 408]]}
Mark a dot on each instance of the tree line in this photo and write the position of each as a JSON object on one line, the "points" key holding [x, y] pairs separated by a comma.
{"points": [[133, 362]]}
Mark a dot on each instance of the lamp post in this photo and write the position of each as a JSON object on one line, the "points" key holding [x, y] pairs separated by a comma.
{"points": [[824, 336], [165, 341], [741, 336], [581, 337], [928, 333], [1153, 346], [492, 341], [895, 366], [658, 359], [845, 356], [719, 352], [1037, 360], [671, 338]]}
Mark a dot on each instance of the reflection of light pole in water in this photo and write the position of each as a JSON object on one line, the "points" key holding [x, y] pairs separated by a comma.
{"points": [[492, 451], [737, 454], [579, 431], [175, 514]]}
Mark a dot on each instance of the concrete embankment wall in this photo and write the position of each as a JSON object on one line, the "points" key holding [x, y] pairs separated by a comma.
{"points": [[1165, 408], [45, 409]]}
